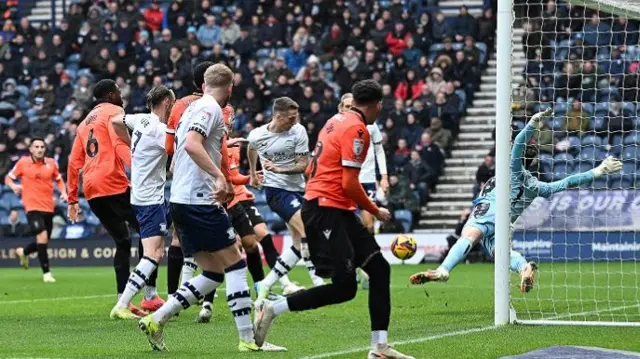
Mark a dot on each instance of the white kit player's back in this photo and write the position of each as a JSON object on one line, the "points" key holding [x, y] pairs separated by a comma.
{"points": [[368, 170], [192, 185]]}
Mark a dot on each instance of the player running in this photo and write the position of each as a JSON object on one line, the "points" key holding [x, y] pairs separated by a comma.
{"points": [[101, 156], [148, 175], [283, 148], [37, 173], [199, 186], [338, 241], [524, 189], [375, 154], [246, 221], [176, 262]]}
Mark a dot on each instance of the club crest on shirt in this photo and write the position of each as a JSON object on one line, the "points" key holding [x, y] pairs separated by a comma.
{"points": [[358, 146], [289, 145]]}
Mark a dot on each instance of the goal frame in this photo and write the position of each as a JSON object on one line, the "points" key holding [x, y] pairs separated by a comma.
{"points": [[504, 313]]}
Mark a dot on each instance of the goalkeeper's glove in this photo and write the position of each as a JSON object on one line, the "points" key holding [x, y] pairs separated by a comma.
{"points": [[608, 166], [538, 119]]}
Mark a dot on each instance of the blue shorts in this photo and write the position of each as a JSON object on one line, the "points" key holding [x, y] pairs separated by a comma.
{"points": [[483, 218], [202, 228], [154, 220], [284, 203]]}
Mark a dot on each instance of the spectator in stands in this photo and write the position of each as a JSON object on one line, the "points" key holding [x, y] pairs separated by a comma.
{"points": [[589, 82], [624, 32], [430, 153], [209, 33], [441, 137], [138, 94], [544, 139], [42, 98], [436, 80], [5, 161], [419, 174], [596, 33], [230, 32], [153, 16], [271, 33], [396, 40], [411, 53], [465, 24], [575, 120], [296, 57], [379, 35], [63, 93], [398, 115], [485, 172], [487, 28], [14, 228], [568, 84], [412, 130], [441, 28], [410, 88], [400, 196]]}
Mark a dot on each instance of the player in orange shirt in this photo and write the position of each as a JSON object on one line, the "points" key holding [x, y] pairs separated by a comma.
{"points": [[338, 241], [102, 155], [37, 174]]}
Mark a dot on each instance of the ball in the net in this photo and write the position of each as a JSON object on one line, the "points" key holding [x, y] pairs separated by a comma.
{"points": [[404, 246]]}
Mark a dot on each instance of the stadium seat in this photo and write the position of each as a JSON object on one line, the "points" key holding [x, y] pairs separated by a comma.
{"points": [[602, 108], [560, 108], [588, 108], [632, 139], [546, 172], [10, 201], [597, 123], [629, 108], [519, 125], [561, 170], [260, 198], [557, 123], [616, 145], [591, 140], [574, 143], [591, 155], [92, 219], [545, 158], [562, 158], [584, 166], [600, 183], [22, 216], [630, 154], [4, 216], [405, 217]]}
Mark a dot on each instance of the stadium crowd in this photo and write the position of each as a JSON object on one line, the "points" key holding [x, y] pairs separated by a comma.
{"points": [[312, 51]]}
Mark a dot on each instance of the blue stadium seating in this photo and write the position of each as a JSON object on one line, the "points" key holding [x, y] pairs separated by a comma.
{"points": [[560, 108], [405, 217], [563, 158], [591, 155], [630, 154], [597, 123], [632, 139], [562, 170], [591, 140]]}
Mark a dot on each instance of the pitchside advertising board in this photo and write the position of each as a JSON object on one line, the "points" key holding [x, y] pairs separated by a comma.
{"points": [[98, 251]]}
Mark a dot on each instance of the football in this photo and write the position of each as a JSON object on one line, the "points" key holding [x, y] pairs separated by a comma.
{"points": [[404, 246]]}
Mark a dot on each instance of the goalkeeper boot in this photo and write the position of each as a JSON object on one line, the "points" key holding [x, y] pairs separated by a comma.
{"points": [[122, 313], [154, 332], [153, 304], [24, 260], [528, 277], [431, 275], [386, 351], [263, 319]]}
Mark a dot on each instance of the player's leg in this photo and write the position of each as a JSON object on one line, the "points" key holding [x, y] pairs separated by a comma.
{"points": [[38, 228], [368, 220], [175, 261], [296, 227], [517, 263]]}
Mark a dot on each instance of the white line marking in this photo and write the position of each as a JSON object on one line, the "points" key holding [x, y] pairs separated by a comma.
{"points": [[460, 332], [55, 299]]}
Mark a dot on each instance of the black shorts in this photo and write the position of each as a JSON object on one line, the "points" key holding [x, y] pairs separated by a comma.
{"points": [[338, 241], [240, 220], [253, 213], [114, 212], [40, 222]]}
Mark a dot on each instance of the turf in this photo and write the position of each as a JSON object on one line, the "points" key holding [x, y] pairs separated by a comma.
{"points": [[69, 319]]}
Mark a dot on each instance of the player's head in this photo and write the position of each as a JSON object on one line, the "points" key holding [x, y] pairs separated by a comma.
{"points": [[530, 156], [160, 101], [218, 82], [285, 112], [367, 99], [107, 91], [346, 101], [198, 73], [37, 148]]}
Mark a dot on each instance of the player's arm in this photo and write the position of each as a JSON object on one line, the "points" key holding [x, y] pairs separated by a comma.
{"points": [[301, 153], [381, 159], [57, 177], [13, 176], [252, 156], [174, 117], [521, 140], [120, 124], [76, 162], [121, 147], [608, 166]]}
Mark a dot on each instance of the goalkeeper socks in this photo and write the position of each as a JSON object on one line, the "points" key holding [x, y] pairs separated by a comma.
{"points": [[254, 264], [457, 254], [137, 281], [270, 251], [306, 257], [285, 262], [43, 257], [31, 248], [189, 293], [174, 266], [239, 299], [517, 261], [189, 268]]}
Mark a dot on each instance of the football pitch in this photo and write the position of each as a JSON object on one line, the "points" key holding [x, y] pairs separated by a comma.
{"points": [[70, 319]]}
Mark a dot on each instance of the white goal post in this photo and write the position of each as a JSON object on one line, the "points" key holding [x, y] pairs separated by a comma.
{"points": [[584, 240]]}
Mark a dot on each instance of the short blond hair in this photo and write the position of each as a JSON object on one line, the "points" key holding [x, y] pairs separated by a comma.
{"points": [[218, 75]]}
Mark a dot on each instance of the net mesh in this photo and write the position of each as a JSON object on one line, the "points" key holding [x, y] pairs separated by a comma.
{"points": [[582, 59]]}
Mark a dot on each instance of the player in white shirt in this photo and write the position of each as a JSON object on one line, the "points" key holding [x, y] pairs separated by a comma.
{"points": [[375, 154], [283, 148], [200, 185], [148, 176]]}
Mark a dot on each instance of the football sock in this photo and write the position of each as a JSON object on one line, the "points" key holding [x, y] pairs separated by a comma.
{"points": [[150, 292], [153, 277], [517, 261], [379, 292], [254, 264], [43, 257], [31, 248], [239, 299], [283, 265], [174, 266], [189, 293], [378, 337], [189, 268], [270, 251], [209, 298], [137, 281], [457, 254], [306, 257], [121, 263]]}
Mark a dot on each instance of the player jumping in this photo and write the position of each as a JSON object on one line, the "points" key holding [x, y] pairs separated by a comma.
{"points": [[524, 189], [283, 148], [102, 155], [37, 174], [199, 186], [338, 241], [148, 176]]}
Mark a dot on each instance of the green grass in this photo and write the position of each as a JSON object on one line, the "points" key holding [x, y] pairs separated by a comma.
{"points": [[54, 321]]}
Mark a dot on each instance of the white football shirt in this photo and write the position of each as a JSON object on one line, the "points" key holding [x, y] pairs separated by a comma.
{"points": [[368, 170], [148, 159], [191, 184], [281, 149]]}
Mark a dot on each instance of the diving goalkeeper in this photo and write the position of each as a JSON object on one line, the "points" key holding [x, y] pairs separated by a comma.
{"points": [[524, 189]]}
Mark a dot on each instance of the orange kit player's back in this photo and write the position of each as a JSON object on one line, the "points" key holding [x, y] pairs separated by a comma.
{"points": [[174, 119], [241, 193], [342, 142], [101, 155]]}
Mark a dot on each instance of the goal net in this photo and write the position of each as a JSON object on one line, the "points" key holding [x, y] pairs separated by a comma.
{"points": [[581, 58]]}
